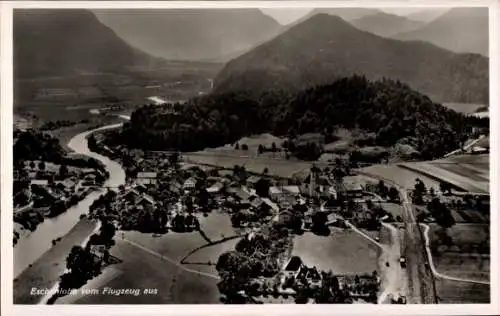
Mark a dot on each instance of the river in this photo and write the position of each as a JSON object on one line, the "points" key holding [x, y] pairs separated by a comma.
{"points": [[32, 246]]}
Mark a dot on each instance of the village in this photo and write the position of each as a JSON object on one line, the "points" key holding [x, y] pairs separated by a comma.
{"points": [[45, 190]]}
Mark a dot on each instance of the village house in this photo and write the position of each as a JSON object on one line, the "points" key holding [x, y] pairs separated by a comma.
{"points": [[189, 184], [285, 216], [146, 178], [98, 251], [309, 276], [39, 182], [353, 189]]}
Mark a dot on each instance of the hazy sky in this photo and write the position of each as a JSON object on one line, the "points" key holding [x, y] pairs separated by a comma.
{"points": [[285, 16]]}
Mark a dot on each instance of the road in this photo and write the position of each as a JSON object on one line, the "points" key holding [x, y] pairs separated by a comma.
{"points": [[465, 148], [421, 287]]}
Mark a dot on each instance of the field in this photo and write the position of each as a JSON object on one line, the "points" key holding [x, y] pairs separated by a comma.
{"points": [[276, 167], [455, 174], [461, 257], [176, 284], [343, 252], [455, 292], [141, 270], [404, 177]]}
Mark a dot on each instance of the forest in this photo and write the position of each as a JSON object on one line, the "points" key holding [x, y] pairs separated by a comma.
{"points": [[390, 111]]}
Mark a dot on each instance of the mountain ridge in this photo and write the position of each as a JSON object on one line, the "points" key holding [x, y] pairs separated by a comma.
{"points": [[326, 47]]}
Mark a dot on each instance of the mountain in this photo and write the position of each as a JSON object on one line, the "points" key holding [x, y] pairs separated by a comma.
{"points": [[325, 47], [460, 30], [427, 15], [347, 14], [64, 42], [385, 24], [191, 34]]}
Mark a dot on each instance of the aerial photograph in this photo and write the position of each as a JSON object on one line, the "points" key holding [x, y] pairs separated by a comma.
{"points": [[251, 156]]}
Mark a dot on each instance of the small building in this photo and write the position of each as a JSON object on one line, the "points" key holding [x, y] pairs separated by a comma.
{"points": [[353, 189], [285, 216], [291, 189], [190, 183], [146, 178], [98, 251], [39, 182], [275, 193]]}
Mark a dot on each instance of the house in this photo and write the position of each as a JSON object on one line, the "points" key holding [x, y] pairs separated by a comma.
{"points": [[98, 251], [285, 216], [275, 193], [252, 181], [132, 196], [189, 184], [146, 201], [310, 276], [215, 188], [293, 267], [146, 178], [291, 189], [316, 138], [353, 189], [42, 183]]}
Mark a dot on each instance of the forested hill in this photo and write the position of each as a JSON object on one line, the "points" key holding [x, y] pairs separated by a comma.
{"points": [[390, 110], [68, 42], [326, 47]]}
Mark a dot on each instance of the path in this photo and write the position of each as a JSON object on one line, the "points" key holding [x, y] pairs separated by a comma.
{"points": [[433, 268]]}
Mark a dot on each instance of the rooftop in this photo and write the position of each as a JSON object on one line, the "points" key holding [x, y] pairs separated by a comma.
{"points": [[146, 175], [294, 264]]}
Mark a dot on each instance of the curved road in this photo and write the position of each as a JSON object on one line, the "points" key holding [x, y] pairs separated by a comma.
{"points": [[433, 268]]}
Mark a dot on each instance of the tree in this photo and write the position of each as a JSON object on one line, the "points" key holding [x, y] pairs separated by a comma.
{"points": [[63, 171], [273, 147], [420, 186], [445, 187], [41, 165], [262, 187], [393, 194], [265, 171], [382, 188], [237, 146], [244, 147], [260, 149]]}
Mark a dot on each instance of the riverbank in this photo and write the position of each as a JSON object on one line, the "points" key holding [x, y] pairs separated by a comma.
{"points": [[36, 263], [47, 269]]}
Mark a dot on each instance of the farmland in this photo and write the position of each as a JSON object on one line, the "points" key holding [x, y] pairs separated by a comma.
{"points": [[461, 251], [343, 252], [401, 176], [459, 177], [456, 292], [465, 108]]}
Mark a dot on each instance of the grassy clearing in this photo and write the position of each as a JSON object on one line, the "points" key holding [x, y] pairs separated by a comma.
{"points": [[461, 171], [343, 252], [454, 292]]}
